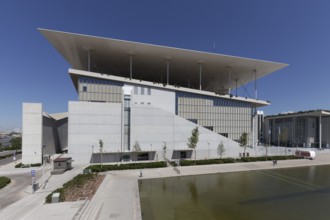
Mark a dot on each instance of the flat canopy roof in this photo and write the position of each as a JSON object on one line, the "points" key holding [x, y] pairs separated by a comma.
{"points": [[311, 113], [152, 62]]}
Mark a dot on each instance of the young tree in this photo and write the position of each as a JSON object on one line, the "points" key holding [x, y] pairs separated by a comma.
{"points": [[164, 151], [284, 137], [16, 143], [101, 150], [136, 148], [221, 150], [243, 141], [193, 140]]}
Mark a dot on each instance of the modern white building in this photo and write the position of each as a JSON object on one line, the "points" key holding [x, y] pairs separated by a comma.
{"points": [[135, 94]]}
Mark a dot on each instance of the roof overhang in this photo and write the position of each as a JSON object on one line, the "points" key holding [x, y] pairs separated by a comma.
{"points": [[312, 113], [149, 62]]}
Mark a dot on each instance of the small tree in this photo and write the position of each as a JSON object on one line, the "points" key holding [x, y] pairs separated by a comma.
{"points": [[193, 140], [221, 150], [164, 151], [136, 148], [16, 143], [243, 141], [101, 150]]}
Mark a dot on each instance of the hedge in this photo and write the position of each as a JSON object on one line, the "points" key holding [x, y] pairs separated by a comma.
{"points": [[98, 168], [4, 181], [232, 160], [20, 165]]}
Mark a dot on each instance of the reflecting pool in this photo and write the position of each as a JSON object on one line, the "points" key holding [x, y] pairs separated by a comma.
{"points": [[294, 193]]}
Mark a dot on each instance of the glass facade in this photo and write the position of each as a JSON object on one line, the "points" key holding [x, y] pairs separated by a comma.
{"points": [[223, 116], [98, 90], [127, 121], [293, 131]]}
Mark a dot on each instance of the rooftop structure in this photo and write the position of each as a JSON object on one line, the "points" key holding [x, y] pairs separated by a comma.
{"points": [[166, 65]]}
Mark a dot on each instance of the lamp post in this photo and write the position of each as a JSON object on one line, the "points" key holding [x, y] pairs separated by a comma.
{"points": [[208, 153], [43, 164], [278, 140]]}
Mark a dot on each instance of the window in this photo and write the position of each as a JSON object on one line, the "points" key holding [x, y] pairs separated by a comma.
{"points": [[183, 154], [136, 90], [193, 120], [209, 127], [224, 134], [143, 156], [142, 91], [149, 91], [126, 158], [84, 88]]}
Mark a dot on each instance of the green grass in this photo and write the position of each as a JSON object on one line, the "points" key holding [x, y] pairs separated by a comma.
{"points": [[4, 181]]}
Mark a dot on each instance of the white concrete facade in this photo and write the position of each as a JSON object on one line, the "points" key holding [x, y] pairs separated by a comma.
{"points": [[160, 98], [152, 127], [32, 133], [90, 122]]}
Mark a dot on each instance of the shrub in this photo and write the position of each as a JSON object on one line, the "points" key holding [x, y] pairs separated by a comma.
{"points": [[232, 160], [228, 160], [4, 181], [173, 163], [19, 165]]}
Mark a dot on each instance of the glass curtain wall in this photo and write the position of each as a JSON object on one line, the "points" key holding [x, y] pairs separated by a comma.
{"points": [[227, 117]]}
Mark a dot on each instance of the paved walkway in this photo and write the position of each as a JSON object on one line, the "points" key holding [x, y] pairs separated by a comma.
{"points": [[118, 196], [31, 206]]}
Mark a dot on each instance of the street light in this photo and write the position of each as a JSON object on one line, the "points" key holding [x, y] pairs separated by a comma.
{"points": [[278, 140], [43, 164], [208, 153]]}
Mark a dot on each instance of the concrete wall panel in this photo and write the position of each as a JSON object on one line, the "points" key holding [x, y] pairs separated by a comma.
{"points": [[88, 123], [151, 127], [32, 133]]}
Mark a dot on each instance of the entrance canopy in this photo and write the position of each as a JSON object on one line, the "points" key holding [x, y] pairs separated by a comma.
{"points": [[161, 64]]}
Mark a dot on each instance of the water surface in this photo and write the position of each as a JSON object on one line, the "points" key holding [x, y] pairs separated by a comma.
{"points": [[294, 193]]}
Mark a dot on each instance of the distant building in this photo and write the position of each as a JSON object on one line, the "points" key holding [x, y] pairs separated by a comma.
{"points": [[134, 94], [302, 129]]}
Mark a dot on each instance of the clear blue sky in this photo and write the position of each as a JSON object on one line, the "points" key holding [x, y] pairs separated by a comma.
{"points": [[296, 32]]}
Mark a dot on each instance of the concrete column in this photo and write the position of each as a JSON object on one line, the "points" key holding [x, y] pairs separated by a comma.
{"points": [[253, 120], [168, 71], [320, 132], [200, 76], [255, 84], [229, 80], [89, 60], [130, 66]]}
